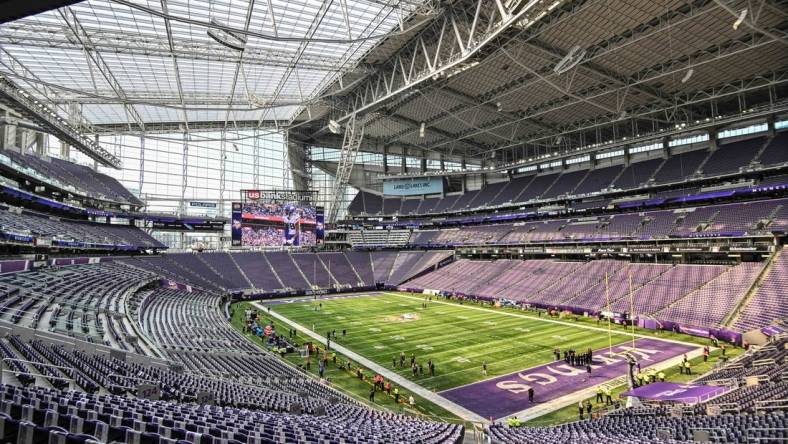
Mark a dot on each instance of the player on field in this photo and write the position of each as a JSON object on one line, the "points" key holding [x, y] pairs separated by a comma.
{"points": [[292, 219]]}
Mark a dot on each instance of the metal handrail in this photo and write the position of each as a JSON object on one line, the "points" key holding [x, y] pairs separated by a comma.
{"points": [[150, 381], [770, 404], [37, 363], [772, 437], [3, 370]]}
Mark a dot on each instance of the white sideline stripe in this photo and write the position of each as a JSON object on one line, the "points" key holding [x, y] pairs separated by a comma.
{"points": [[457, 409], [575, 397], [553, 321]]}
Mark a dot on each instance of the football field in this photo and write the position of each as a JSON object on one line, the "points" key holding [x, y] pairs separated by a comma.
{"points": [[456, 338]]}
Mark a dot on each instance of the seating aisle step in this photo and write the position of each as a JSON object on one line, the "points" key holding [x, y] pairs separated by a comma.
{"points": [[241, 270]]}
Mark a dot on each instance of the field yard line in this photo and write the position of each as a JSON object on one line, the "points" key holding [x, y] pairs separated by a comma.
{"points": [[506, 313], [449, 345], [372, 353], [497, 362], [320, 298], [458, 410]]}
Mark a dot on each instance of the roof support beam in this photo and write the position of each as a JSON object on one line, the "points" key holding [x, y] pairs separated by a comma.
{"points": [[354, 133], [446, 135], [456, 54], [43, 91], [46, 36], [664, 22], [15, 9], [316, 21], [176, 127], [593, 70], [79, 33], [708, 95], [25, 104], [666, 68], [666, 112], [467, 101], [177, 71]]}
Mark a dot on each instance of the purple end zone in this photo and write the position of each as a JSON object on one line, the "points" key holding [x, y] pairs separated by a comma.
{"points": [[505, 395]]}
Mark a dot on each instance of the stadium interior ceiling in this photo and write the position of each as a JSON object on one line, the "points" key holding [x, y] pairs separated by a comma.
{"points": [[570, 215], [476, 83], [585, 73]]}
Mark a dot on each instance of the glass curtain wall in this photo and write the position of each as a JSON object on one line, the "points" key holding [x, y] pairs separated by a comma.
{"points": [[169, 170]]}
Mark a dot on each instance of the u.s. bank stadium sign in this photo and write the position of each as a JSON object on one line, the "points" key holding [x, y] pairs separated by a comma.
{"points": [[279, 195], [413, 186]]}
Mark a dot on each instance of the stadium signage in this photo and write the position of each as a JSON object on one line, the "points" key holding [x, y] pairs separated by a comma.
{"points": [[190, 225], [690, 249], [149, 391], [642, 249], [773, 330], [202, 204], [413, 186], [279, 195], [668, 391]]}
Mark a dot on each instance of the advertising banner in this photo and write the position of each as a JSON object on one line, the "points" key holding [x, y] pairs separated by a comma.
{"points": [[197, 204], [772, 330], [320, 228], [413, 186], [235, 228], [276, 218], [668, 391]]}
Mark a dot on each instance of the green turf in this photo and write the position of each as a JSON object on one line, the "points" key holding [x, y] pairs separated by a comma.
{"points": [[456, 337], [345, 380]]}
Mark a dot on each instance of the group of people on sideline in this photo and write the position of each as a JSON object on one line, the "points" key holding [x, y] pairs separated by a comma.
{"points": [[416, 368]]}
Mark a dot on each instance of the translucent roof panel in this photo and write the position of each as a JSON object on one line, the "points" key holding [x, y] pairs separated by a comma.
{"points": [[157, 56]]}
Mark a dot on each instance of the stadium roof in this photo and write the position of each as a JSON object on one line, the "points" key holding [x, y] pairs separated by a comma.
{"points": [[495, 80], [572, 73], [129, 64]]}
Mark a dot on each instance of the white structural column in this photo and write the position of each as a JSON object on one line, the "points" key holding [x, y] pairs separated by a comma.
{"points": [[354, 133]]}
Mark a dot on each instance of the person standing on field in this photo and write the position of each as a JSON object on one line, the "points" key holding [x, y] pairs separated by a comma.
{"points": [[484, 368]]}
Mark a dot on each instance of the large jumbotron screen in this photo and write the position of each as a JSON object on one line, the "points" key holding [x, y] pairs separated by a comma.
{"points": [[275, 218]]}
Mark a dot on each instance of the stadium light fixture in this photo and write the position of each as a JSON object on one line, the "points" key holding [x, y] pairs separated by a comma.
{"points": [[422, 130], [740, 19], [334, 126], [688, 75], [230, 39], [570, 60]]}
